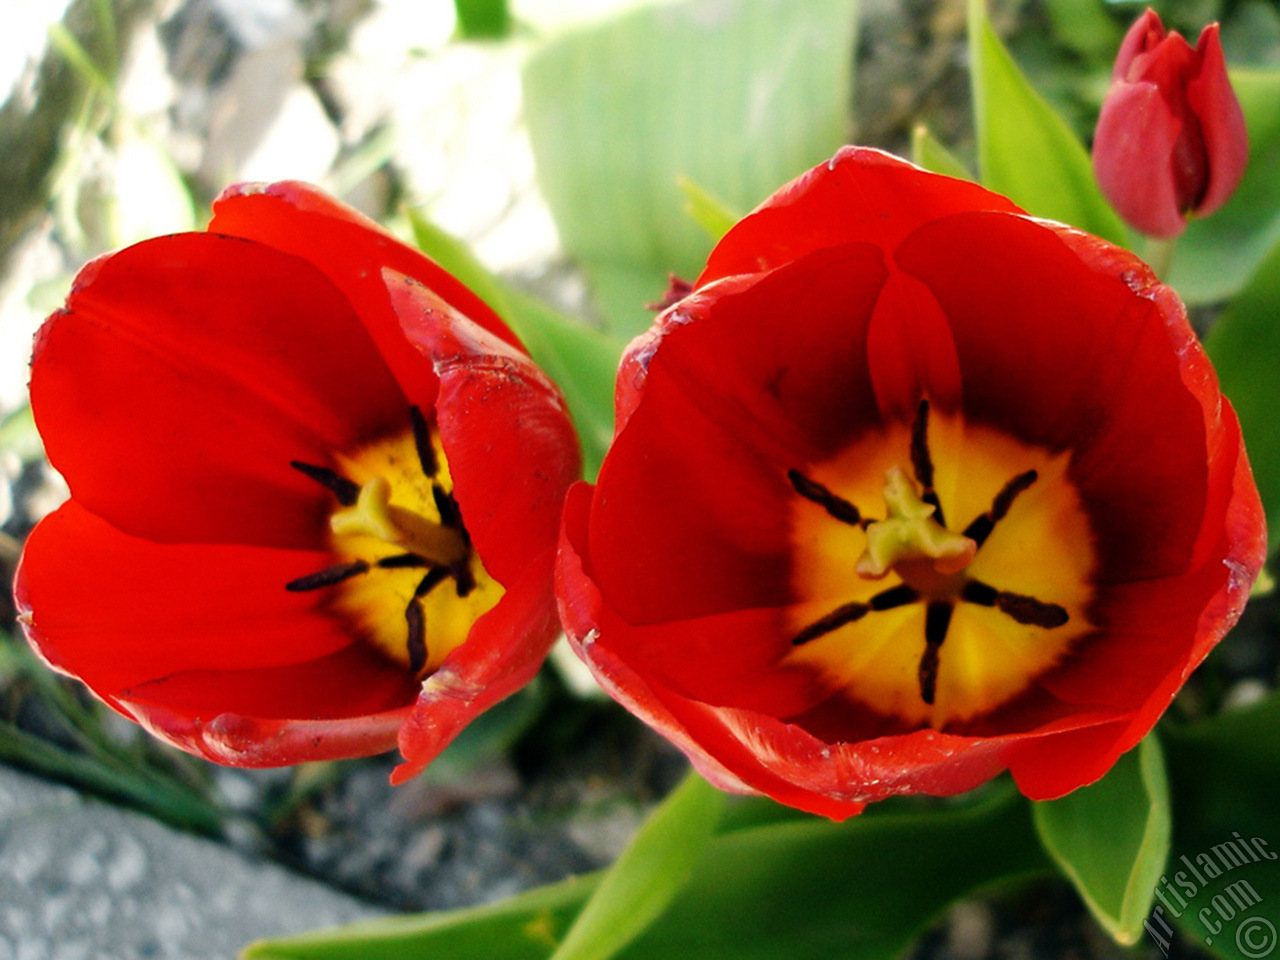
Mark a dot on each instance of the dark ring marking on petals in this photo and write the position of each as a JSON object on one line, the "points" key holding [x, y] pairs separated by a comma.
{"points": [[836, 505], [981, 527], [327, 577], [422, 442], [416, 643], [922, 461], [937, 620], [834, 620], [1024, 609], [347, 491]]}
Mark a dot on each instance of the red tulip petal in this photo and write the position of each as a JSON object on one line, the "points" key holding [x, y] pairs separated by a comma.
{"points": [[697, 520], [349, 704], [117, 611], [1064, 355], [506, 431], [351, 250], [501, 654], [1132, 158], [861, 194], [1214, 103], [187, 372]]}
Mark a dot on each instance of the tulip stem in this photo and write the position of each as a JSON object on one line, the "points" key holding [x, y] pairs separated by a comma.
{"points": [[1159, 256]]}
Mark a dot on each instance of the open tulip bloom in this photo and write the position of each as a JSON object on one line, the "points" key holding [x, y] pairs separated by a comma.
{"points": [[911, 489], [315, 489]]}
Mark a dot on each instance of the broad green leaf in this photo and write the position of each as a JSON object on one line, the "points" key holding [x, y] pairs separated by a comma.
{"points": [[928, 151], [790, 889], [1218, 254], [1111, 839], [1025, 150], [1244, 345], [710, 213], [583, 362], [524, 927], [649, 874], [737, 95], [1222, 886]]}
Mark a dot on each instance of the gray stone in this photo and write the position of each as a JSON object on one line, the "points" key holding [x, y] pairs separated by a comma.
{"points": [[82, 879]]}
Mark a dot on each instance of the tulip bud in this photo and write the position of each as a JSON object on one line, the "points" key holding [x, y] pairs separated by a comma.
{"points": [[1171, 139]]}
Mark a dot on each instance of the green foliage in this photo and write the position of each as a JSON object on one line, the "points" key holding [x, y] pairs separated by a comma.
{"points": [[737, 95], [482, 19], [1225, 773], [1025, 150], [929, 152], [1111, 839], [648, 875], [580, 360], [792, 889], [1245, 348]]}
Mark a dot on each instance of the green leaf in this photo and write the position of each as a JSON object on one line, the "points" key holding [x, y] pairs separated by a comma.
{"points": [[790, 889], [524, 927], [648, 875], [737, 95], [1217, 255], [1245, 348], [1222, 885], [1111, 839], [928, 152], [710, 213], [583, 362], [482, 19], [1025, 150]]}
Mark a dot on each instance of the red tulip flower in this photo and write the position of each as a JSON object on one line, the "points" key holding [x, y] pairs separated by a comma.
{"points": [[1171, 139], [315, 489], [912, 488]]}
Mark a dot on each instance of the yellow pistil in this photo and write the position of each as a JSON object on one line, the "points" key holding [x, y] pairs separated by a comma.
{"points": [[373, 515], [910, 532]]}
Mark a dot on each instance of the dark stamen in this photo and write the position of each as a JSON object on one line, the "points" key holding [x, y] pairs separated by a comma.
{"points": [[984, 595], [1031, 611], [897, 596], [922, 461], [435, 576], [834, 620], [327, 578], [347, 491], [937, 619], [402, 560], [1024, 609], [416, 644], [450, 514], [422, 441], [981, 527], [464, 580], [837, 506]]}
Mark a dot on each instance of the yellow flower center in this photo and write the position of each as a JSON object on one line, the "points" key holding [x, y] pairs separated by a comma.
{"points": [[975, 583], [406, 577]]}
